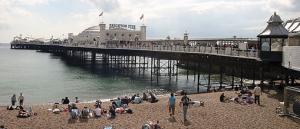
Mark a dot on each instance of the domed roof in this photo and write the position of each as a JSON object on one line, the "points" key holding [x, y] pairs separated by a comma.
{"points": [[93, 28], [274, 28]]}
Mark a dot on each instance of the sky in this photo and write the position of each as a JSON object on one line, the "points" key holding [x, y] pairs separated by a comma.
{"points": [[199, 18]]}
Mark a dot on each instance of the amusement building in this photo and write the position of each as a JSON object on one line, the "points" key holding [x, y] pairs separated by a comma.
{"points": [[113, 33]]}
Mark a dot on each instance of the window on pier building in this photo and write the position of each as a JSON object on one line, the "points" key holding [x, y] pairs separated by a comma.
{"points": [[276, 44], [265, 44]]}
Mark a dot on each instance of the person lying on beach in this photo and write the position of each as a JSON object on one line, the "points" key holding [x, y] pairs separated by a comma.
{"points": [[153, 99], [179, 92], [23, 113], [120, 110], [151, 125]]}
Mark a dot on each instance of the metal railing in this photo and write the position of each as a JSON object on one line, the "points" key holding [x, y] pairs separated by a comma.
{"points": [[229, 51]]}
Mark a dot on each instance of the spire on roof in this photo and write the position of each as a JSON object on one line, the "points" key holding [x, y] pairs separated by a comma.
{"points": [[275, 19]]}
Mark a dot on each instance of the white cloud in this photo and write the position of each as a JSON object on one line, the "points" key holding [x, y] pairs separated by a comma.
{"points": [[201, 18]]}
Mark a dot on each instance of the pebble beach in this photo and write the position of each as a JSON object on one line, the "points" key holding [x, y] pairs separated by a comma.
{"points": [[213, 115]]}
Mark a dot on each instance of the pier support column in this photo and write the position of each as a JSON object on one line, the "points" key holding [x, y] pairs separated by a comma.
{"points": [[158, 71], [198, 80], [209, 72], [93, 57], [232, 78], [187, 70], [221, 77], [253, 83], [151, 67], [177, 63]]}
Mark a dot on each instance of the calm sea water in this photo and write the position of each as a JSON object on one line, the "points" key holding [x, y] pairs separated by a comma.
{"points": [[45, 78]]}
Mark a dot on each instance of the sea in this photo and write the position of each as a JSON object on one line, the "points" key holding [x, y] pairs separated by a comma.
{"points": [[45, 78]]}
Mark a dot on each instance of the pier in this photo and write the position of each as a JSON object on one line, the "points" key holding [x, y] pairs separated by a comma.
{"points": [[163, 57], [258, 59]]}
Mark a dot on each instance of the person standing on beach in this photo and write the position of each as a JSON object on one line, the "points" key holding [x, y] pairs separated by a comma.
{"points": [[21, 99], [185, 103], [13, 100], [172, 104], [257, 92]]}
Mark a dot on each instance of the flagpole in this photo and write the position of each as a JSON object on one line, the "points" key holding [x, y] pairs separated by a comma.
{"points": [[143, 20]]}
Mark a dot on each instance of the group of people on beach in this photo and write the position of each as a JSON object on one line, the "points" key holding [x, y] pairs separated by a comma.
{"points": [[67, 101], [244, 97], [23, 113], [14, 100], [185, 103]]}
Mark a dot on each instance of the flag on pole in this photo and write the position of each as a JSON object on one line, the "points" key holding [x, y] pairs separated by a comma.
{"points": [[100, 14], [142, 17]]}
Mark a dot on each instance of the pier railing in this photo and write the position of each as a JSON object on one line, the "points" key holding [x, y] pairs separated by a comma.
{"points": [[229, 51]]}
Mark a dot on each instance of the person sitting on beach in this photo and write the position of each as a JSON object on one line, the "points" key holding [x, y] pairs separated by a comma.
{"points": [[222, 98], [153, 99], [85, 113], [125, 100], [249, 99], [2, 127], [55, 109], [66, 101], [238, 99], [98, 104], [76, 100], [133, 97], [137, 100], [98, 112], [62, 101], [74, 111], [114, 105], [145, 97], [112, 113], [118, 102]]}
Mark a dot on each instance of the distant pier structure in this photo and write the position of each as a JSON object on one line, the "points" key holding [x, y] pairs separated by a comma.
{"points": [[122, 48]]}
